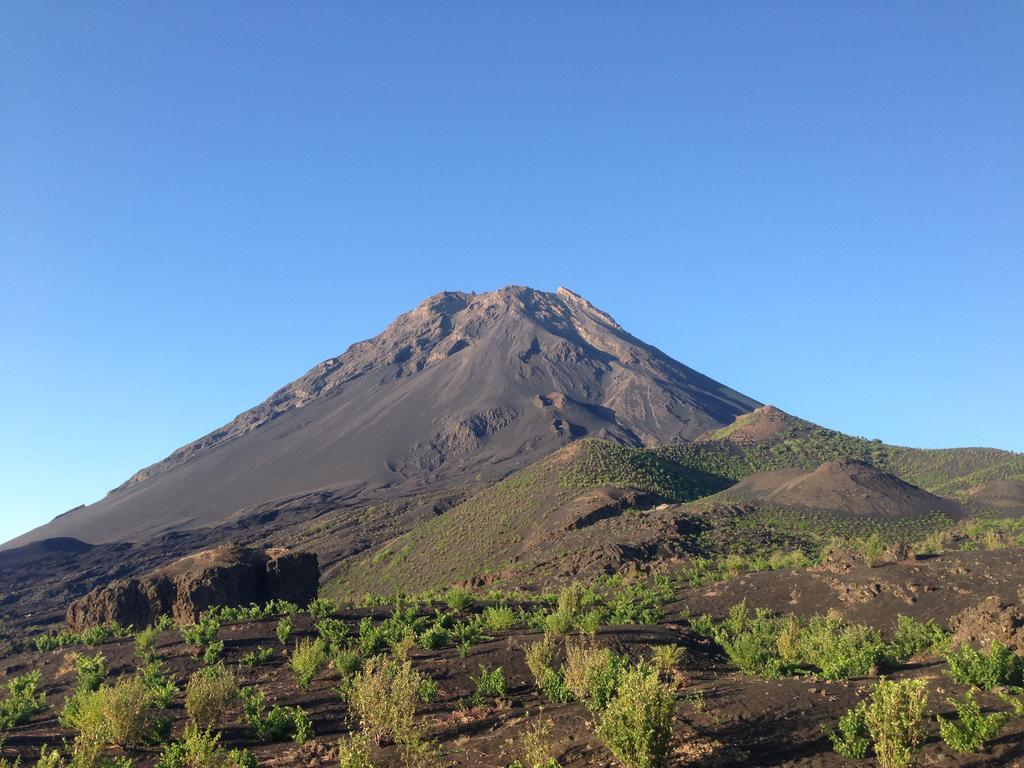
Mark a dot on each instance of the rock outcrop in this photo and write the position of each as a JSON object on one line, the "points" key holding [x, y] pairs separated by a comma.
{"points": [[991, 619], [227, 575]]}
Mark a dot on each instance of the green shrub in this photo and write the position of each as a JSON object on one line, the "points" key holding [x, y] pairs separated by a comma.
{"points": [[333, 631], [260, 655], [121, 715], [592, 674], [277, 724], [498, 618], [490, 685], [540, 658], [202, 749], [458, 599], [1015, 703], [202, 633], [434, 637], [973, 728], [91, 636], [853, 739], [145, 644], [536, 744], [384, 697], [213, 652], [912, 637], [354, 751], [284, 629], [24, 699], [667, 658], [210, 691], [321, 608], [91, 671], [347, 663], [1000, 666], [159, 684], [636, 724], [770, 646], [196, 749], [894, 718], [308, 658], [751, 642]]}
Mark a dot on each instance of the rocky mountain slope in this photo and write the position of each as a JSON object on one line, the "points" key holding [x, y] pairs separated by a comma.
{"points": [[465, 385]]}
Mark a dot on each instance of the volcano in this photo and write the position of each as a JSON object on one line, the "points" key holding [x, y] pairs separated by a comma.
{"points": [[463, 386]]}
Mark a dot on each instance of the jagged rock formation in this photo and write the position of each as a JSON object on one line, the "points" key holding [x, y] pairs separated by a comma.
{"points": [[990, 620], [228, 575], [464, 386]]}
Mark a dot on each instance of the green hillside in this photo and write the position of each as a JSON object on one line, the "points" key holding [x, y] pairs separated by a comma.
{"points": [[487, 533]]}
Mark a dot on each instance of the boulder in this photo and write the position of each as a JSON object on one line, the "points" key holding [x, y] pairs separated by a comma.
{"points": [[991, 619], [228, 575]]}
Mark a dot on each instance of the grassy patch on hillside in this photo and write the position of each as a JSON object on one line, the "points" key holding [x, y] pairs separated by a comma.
{"points": [[485, 533]]}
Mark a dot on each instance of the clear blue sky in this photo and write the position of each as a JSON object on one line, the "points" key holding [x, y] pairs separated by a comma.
{"points": [[820, 204]]}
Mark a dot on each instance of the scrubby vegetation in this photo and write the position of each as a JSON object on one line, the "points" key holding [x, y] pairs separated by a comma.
{"points": [[276, 724], [972, 728], [209, 693], [761, 643], [23, 700], [890, 722], [999, 666]]}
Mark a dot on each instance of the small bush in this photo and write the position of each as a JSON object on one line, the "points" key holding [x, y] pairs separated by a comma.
{"points": [[435, 637], [308, 658], [256, 657], [458, 599], [894, 718], [120, 715], [853, 739], [498, 618], [145, 645], [667, 658], [321, 608], [333, 631], [213, 652], [636, 724], [354, 751], [973, 728], [209, 693], [202, 633], [540, 658], [592, 674], [536, 745], [284, 629], [159, 684], [490, 685], [1000, 666], [200, 749], [384, 697], [912, 637], [24, 699], [277, 724]]}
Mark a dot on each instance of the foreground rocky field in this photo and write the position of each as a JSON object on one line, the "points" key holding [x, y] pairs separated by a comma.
{"points": [[569, 678]]}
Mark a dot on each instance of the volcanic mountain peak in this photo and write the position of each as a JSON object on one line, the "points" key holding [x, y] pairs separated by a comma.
{"points": [[464, 385]]}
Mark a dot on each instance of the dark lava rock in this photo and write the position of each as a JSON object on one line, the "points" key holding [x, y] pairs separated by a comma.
{"points": [[990, 620], [228, 575]]}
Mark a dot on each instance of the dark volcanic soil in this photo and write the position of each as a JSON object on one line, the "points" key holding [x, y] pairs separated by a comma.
{"points": [[723, 718], [842, 487]]}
